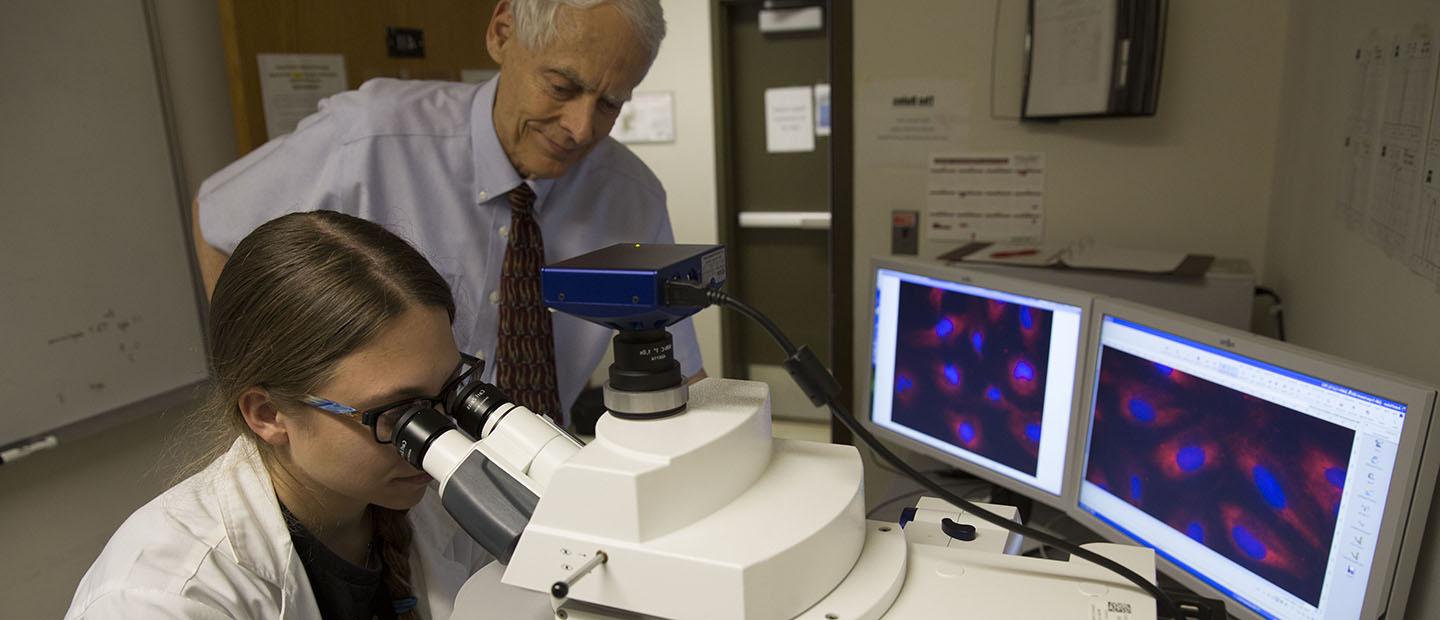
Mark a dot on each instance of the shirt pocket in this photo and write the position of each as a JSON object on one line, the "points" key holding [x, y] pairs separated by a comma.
{"points": [[465, 326]]}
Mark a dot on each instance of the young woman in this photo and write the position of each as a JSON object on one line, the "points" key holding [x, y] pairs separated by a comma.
{"points": [[323, 329]]}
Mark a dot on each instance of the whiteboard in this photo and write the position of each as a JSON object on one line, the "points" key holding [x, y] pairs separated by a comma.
{"points": [[98, 304]]}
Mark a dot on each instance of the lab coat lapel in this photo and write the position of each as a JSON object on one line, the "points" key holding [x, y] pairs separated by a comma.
{"points": [[257, 532]]}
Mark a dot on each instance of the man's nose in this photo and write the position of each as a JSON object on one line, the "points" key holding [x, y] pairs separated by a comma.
{"points": [[578, 120]]}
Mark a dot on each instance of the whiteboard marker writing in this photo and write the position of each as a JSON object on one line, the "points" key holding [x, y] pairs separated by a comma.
{"points": [[26, 448]]}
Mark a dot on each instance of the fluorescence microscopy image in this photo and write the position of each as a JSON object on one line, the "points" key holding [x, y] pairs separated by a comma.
{"points": [[1256, 482], [970, 371]]}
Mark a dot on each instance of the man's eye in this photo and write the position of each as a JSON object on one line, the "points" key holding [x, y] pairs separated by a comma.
{"points": [[562, 91], [609, 107]]}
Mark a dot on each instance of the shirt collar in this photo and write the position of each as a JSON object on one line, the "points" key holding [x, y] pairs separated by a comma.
{"points": [[494, 176]]}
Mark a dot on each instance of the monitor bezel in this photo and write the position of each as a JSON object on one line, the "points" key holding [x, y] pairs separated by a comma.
{"points": [[1408, 497], [1016, 286]]}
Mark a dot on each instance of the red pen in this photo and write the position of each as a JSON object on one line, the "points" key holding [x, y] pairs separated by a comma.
{"points": [[1014, 253]]}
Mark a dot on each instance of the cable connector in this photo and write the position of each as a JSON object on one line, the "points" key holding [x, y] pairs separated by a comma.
{"points": [[688, 293], [812, 376]]}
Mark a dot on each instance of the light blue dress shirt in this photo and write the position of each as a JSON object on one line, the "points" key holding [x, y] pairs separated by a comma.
{"points": [[423, 159]]}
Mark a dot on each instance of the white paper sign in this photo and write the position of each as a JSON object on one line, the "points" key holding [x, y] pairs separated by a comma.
{"points": [[900, 123], [646, 117], [292, 84], [789, 119], [986, 197]]}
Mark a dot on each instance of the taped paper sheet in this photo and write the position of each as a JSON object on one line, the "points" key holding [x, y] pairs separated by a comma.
{"points": [[790, 119], [292, 84], [986, 197]]}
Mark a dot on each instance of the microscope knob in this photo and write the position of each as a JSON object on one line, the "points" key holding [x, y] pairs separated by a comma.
{"points": [[958, 531]]}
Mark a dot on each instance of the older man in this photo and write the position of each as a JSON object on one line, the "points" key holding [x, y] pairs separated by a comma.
{"points": [[489, 181]]}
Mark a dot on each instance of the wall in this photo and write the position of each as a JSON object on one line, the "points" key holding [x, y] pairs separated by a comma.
{"points": [[1197, 177], [60, 507], [1342, 294], [686, 167]]}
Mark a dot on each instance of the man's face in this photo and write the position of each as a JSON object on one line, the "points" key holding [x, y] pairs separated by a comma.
{"points": [[555, 104]]}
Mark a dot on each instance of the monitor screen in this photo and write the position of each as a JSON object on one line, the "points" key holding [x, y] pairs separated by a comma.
{"points": [[1264, 482], [979, 374]]}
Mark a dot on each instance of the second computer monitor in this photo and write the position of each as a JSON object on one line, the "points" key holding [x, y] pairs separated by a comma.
{"points": [[1288, 482], [979, 371]]}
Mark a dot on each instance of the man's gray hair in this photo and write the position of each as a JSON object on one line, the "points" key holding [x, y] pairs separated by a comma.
{"points": [[535, 21]]}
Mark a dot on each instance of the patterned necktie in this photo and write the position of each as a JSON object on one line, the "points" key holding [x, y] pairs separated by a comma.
{"points": [[525, 355]]}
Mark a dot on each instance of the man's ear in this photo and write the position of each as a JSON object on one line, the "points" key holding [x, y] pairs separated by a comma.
{"points": [[500, 33], [263, 416]]}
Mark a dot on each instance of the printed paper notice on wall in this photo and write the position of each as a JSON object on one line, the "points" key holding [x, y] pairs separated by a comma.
{"points": [[900, 123], [790, 119], [646, 117], [291, 85], [986, 197]]}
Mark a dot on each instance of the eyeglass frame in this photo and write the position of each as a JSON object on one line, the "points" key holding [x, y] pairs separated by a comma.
{"points": [[371, 417]]}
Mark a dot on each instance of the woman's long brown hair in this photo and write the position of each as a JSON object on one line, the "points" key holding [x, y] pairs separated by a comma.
{"points": [[297, 295]]}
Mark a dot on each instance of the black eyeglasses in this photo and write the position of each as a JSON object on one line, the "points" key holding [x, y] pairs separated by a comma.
{"points": [[383, 419]]}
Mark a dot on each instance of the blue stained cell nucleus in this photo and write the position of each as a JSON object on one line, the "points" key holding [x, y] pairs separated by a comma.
{"points": [[1164, 370], [1248, 543], [1190, 458], [1024, 371], [966, 431], [1135, 488], [992, 393], [903, 383], [1269, 487], [1027, 320], [1335, 476], [1195, 531], [1032, 431], [952, 374], [944, 327], [977, 341], [1141, 410]]}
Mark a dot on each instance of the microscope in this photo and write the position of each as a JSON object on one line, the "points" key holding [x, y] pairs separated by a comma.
{"points": [[686, 506]]}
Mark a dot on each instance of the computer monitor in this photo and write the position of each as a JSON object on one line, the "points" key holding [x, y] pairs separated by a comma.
{"points": [[979, 371], [1290, 483]]}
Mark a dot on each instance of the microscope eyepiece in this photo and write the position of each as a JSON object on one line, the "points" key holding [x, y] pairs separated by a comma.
{"points": [[472, 405], [418, 428]]}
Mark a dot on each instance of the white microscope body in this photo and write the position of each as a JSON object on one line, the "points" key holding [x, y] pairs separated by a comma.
{"points": [[704, 514]]}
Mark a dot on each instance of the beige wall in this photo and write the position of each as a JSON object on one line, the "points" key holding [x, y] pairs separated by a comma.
{"points": [[1343, 296], [686, 167], [1197, 177]]}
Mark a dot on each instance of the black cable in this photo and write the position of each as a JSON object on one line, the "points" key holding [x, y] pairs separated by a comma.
{"points": [[1075, 550], [693, 294], [1278, 309]]}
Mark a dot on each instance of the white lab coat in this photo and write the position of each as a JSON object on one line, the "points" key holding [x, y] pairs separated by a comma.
{"points": [[216, 546]]}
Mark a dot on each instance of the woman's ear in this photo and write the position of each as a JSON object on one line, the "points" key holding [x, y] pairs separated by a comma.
{"points": [[263, 416]]}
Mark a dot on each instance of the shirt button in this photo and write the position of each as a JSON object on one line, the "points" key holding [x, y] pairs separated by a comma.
{"points": [[504, 232], [494, 297], [484, 195]]}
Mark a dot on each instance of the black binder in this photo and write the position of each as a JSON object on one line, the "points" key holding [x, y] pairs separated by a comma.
{"points": [[1137, 57]]}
